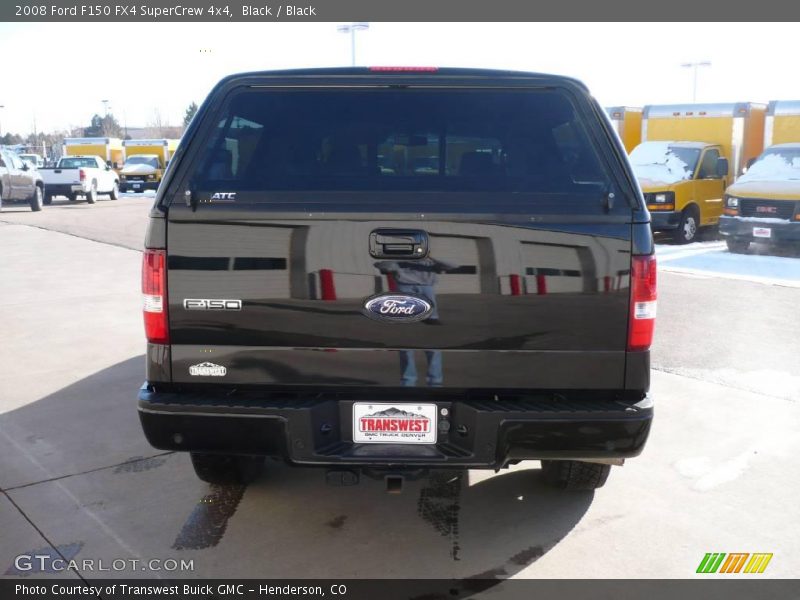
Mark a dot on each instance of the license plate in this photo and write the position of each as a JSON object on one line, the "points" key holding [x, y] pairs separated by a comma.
{"points": [[136, 186], [762, 232], [400, 423]]}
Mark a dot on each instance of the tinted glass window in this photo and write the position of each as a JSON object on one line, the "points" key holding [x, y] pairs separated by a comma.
{"points": [[396, 140], [16, 162], [74, 163], [708, 169]]}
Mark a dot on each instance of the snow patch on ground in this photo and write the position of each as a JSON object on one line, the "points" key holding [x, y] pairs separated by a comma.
{"points": [[769, 382], [713, 259], [708, 474]]}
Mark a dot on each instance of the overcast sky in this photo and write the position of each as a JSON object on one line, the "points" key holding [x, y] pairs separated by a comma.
{"points": [[60, 73]]}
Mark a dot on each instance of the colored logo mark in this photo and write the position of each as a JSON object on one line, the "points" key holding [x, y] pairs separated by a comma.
{"points": [[735, 562]]}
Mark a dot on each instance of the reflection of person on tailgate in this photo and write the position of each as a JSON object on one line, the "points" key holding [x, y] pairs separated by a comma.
{"points": [[418, 277]]}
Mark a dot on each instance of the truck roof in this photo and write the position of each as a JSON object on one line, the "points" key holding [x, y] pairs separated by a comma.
{"points": [[148, 142], [416, 73], [692, 144], [719, 109], [90, 141], [622, 109], [783, 107], [681, 144]]}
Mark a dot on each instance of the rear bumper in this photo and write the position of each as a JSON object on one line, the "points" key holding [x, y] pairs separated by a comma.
{"points": [[474, 434], [664, 220], [739, 229]]}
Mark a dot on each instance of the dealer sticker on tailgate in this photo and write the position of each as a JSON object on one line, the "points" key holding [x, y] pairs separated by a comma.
{"points": [[401, 423]]}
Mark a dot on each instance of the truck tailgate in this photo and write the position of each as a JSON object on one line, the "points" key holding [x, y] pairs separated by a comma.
{"points": [[297, 215]]}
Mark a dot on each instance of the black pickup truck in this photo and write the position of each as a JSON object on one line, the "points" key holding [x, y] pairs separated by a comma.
{"points": [[384, 271]]}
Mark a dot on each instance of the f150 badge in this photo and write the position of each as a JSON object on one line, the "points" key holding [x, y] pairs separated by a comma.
{"points": [[397, 308], [207, 369], [211, 304]]}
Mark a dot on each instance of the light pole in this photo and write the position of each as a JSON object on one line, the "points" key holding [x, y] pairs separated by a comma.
{"points": [[694, 66], [1, 128], [351, 29], [105, 106]]}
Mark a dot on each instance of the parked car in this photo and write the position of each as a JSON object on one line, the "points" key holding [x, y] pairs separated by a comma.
{"points": [[19, 182], [310, 295], [75, 176], [688, 155], [764, 205], [145, 163]]}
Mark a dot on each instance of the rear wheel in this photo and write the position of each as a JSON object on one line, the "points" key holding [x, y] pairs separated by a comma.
{"points": [[72, 197], [48, 199], [91, 195], [574, 474], [114, 193], [738, 246], [36, 200], [217, 468], [687, 229]]}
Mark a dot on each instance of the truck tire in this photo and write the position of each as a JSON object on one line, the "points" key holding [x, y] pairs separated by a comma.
{"points": [[575, 475], [48, 199], [91, 195], [114, 193], [738, 246], [686, 232], [73, 197], [36, 199], [222, 469]]}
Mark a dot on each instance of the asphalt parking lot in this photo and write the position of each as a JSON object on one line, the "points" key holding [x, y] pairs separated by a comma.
{"points": [[79, 480]]}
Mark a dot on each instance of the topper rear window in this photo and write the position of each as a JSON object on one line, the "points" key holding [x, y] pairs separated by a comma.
{"points": [[400, 140]]}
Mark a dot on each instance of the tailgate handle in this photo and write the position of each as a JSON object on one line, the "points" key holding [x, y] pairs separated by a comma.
{"points": [[398, 243]]}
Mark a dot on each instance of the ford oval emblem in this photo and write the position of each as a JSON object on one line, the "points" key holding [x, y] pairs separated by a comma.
{"points": [[397, 308]]}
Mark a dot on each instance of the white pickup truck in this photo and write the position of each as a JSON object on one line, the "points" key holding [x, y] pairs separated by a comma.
{"points": [[74, 176]]}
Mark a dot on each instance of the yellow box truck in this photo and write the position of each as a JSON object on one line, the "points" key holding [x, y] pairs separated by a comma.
{"points": [[109, 149], [764, 204], [145, 163], [688, 155], [627, 122]]}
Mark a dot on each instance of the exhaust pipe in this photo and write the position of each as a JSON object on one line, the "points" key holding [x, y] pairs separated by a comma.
{"points": [[394, 484]]}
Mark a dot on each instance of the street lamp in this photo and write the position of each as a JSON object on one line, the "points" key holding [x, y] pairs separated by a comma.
{"points": [[351, 29], [694, 66]]}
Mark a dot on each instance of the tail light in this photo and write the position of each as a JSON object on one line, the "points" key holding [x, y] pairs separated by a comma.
{"points": [[154, 296], [82, 174], [643, 303]]}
